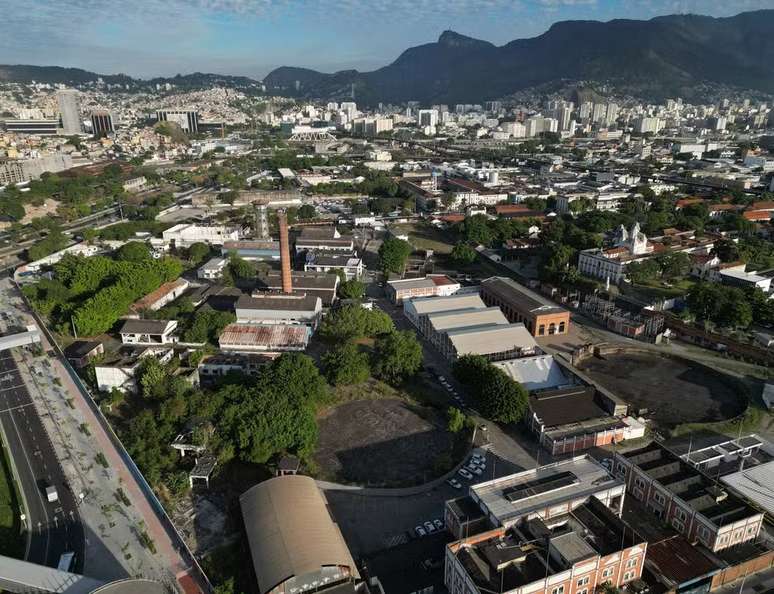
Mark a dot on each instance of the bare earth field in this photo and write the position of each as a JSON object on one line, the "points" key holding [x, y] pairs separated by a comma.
{"points": [[380, 443], [674, 391]]}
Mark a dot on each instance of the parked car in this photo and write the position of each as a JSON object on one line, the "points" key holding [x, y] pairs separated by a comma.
{"points": [[441, 378], [430, 527], [474, 469], [464, 473], [438, 524], [455, 483], [420, 531]]}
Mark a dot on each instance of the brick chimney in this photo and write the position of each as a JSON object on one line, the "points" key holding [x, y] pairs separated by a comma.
{"points": [[287, 281]]}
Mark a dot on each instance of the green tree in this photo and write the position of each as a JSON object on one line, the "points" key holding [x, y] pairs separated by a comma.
{"points": [[206, 325], [134, 251], [353, 321], [393, 254], [674, 265], [346, 365], [455, 419], [306, 212], [241, 268], [352, 289], [643, 272], [476, 230], [498, 396], [462, 254], [152, 375], [397, 356], [726, 250], [198, 252]]}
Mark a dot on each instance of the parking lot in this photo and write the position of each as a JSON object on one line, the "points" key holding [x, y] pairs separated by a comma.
{"points": [[372, 522]]}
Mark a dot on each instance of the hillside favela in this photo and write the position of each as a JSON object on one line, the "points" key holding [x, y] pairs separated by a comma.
{"points": [[408, 297]]}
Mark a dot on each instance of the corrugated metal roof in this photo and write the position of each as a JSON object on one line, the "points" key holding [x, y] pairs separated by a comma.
{"points": [[290, 531], [430, 305], [268, 335], [448, 320], [490, 339]]}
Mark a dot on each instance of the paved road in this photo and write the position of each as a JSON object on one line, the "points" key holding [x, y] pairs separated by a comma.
{"points": [[54, 528]]}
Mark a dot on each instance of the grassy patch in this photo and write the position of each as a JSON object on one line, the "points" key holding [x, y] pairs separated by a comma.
{"points": [[232, 564], [11, 541], [656, 290], [747, 422], [101, 460]]}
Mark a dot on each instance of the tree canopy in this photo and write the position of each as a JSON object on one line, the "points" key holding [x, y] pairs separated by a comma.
{"points": [[498, 396], [346, 365], [397, 356], [353, 321], [393, 254]]}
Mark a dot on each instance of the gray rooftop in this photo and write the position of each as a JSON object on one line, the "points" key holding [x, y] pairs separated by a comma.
{"points": [[540, 372], [585, 477], [428, 305], [489, 339], [462, 318]]}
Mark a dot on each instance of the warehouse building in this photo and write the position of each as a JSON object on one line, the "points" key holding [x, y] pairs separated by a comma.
{"points": [[279, 308], [295, 545], [575, 552], [576, 418], [495, 342], [417, 310], [432, 285], [520, 304], [264, 338], [316, 284], [676, 493], [441, 322], [545, 492]]}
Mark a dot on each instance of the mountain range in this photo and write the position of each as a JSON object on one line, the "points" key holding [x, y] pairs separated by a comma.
{"points": [[75, 76], [661, 57]]}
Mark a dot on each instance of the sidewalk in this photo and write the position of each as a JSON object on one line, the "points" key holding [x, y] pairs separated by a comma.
{"points": [[168, 564]]}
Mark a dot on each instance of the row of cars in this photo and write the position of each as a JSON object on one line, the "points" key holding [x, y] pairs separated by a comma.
{"points": [[454, 394], [429, 527], [475, 466]]}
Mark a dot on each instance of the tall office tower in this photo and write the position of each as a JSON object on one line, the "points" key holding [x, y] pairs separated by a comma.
{"points": [[427, 117], [101, 123], [187, 119], [599, 112], [553, 104], [493, 106], [563, 114], [350, 108], [68, 110], [612, 113], [585, 110]]}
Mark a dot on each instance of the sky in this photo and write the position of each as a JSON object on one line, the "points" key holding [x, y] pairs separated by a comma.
{"points": [[146, 38]]}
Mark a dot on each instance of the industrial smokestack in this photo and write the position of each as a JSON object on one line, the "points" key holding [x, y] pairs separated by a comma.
{"points": [[287, 281]]}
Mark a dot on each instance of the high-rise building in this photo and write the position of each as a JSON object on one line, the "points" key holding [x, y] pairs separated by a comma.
{"points": [[585, 110], [599, 112], [69, 111], [32, 127], [427, 117], [187, 119], [102, 123], [612, 113], [644, 125], [563, 114]]}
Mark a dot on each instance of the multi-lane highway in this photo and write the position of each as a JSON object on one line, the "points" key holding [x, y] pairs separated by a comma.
{"points": [[54, 527]]}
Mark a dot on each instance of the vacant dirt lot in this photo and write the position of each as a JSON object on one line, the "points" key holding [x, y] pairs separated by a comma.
{"points": [[380, 443], [674, 391]]}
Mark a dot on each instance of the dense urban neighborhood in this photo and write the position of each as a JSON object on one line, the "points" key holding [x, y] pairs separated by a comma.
{"points": [[267, 337]]}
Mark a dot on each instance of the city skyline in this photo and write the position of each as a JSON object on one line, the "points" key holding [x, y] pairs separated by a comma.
{"points": [[251, 37]]}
